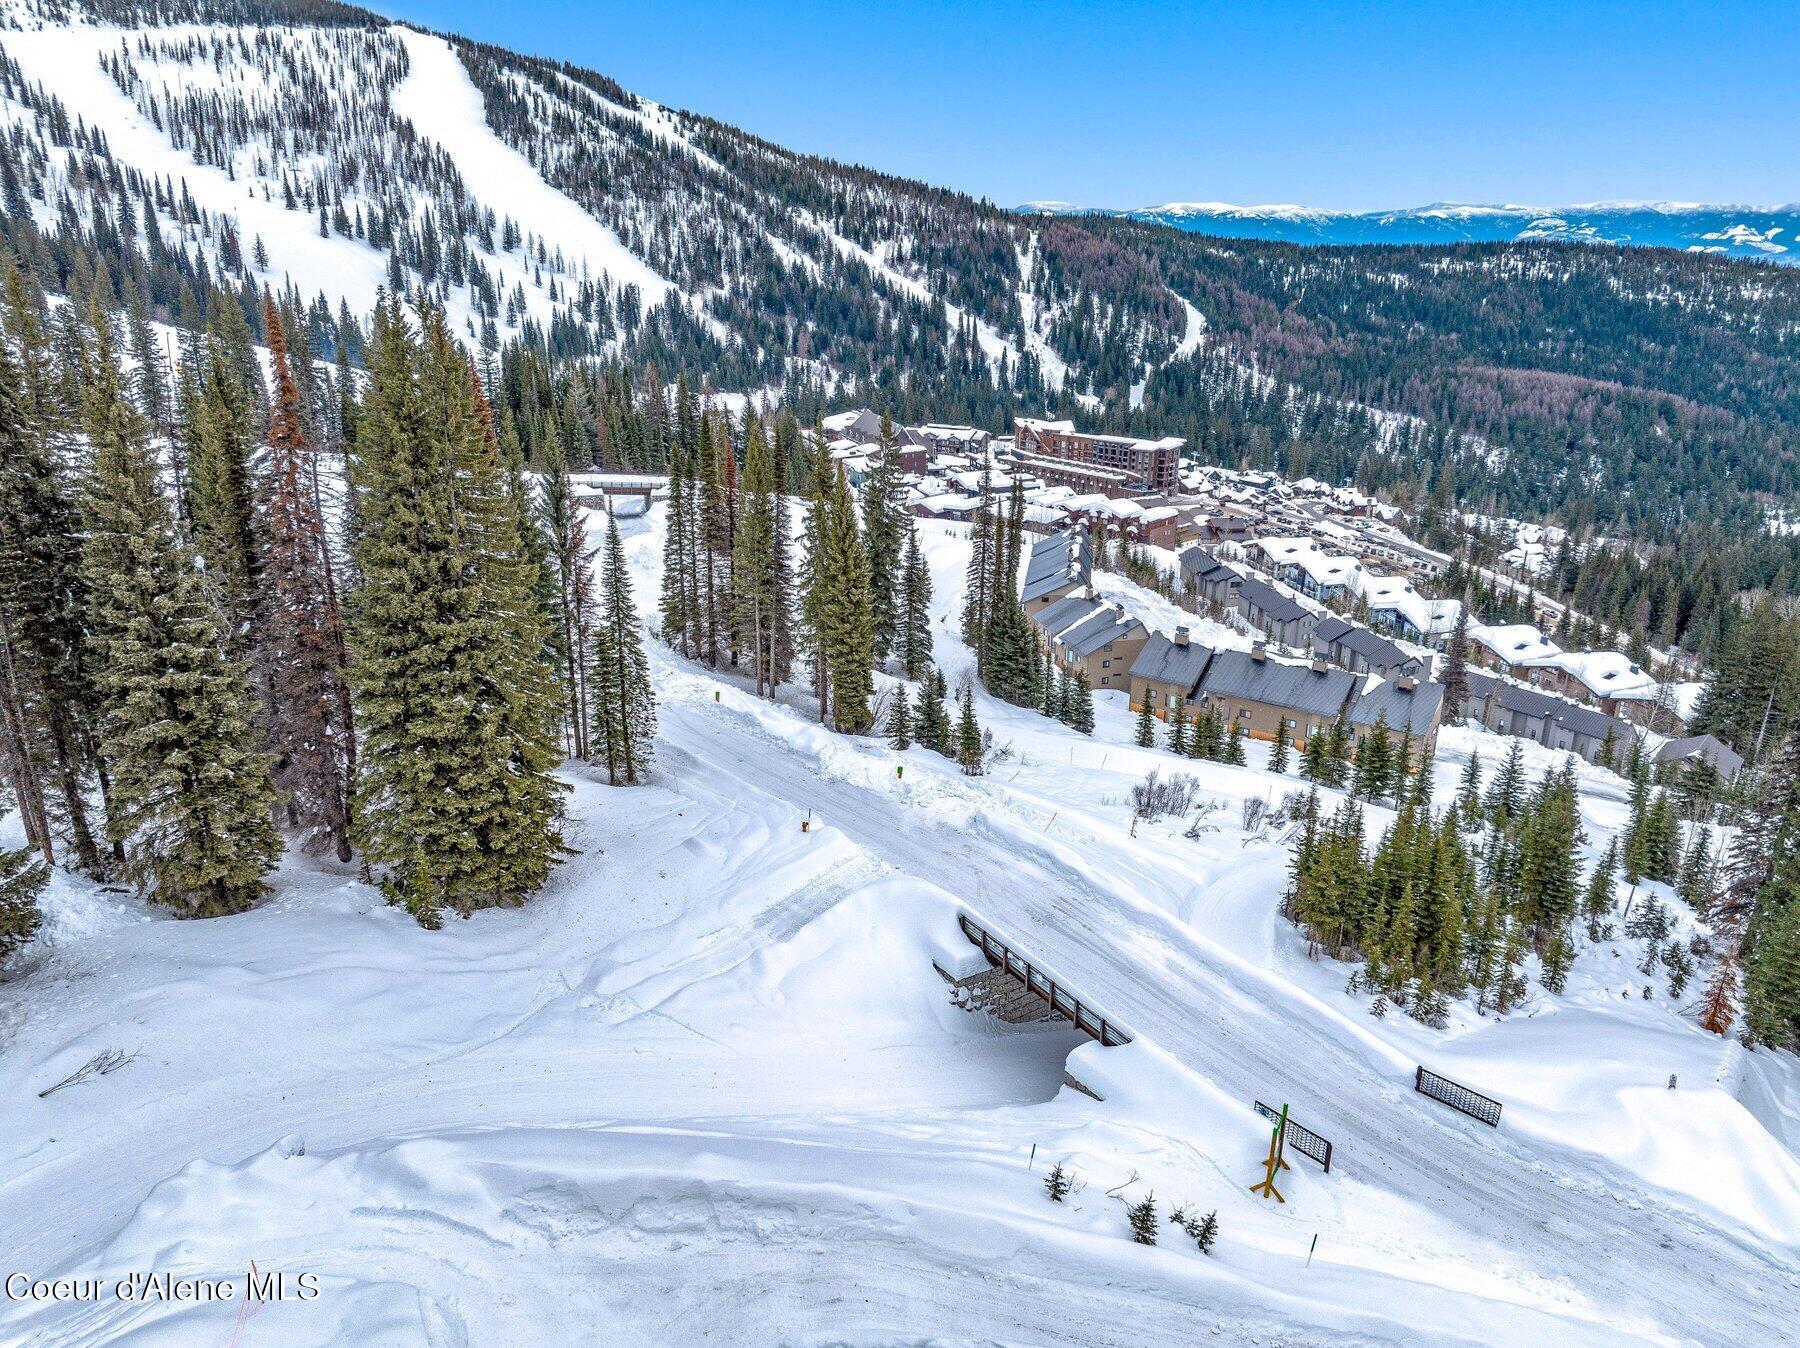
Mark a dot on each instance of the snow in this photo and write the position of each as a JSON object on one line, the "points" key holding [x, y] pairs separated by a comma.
{"points": [[708, 1086], [444, 105], [65, 59]]}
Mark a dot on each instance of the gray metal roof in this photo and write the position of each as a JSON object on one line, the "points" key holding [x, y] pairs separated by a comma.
{"points": [[1527, 701], [1298, 687], [1271, 601], [1372, 646], [1050, 582], [1065, 613], [1090, 635], [1407, 712], [1162, 661], [1715, 751], [1578, 720], [1202, 564], [1330, 629]]}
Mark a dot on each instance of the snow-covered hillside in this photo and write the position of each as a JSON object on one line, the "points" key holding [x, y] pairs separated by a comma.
{"points": [[708, 1087]]}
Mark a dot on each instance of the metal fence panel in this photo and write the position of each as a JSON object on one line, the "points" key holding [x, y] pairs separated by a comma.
{"points": [[1457, 1096], [1304, 1140]]}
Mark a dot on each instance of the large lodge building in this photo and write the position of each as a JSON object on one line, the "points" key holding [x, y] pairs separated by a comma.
{"points": [[1114, 465]]}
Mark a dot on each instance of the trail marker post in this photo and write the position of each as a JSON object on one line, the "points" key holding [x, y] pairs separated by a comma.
{"points": [[1277, 1144]]}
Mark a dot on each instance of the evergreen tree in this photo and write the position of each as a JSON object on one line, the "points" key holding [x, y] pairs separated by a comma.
{"points": [[1549, 873], [1142, 1216], [47, 698], [456, 707], [679, 621], [1284, 739], [1456, 665], [190, 802], [624, 707], [1772, 977], [933, 720], [899, 726], [1506, 793], [884, 538], [1233, 750], [969, 751], [914, 646], [302, 637], [1597, 899], [222, 492], [1057, 1183], [1178, 730], [1374, 762], [755, 565], [1468, 791], [1081, 703], [1146, 725], [22, 879], [839, 609], [979, 580]]}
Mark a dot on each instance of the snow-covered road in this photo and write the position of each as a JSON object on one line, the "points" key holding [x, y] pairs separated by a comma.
{"points": [[1536, 1213]]}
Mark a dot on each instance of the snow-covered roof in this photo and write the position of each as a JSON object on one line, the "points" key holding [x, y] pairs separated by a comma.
{"points": [[1514, 643], [1606, 673]]}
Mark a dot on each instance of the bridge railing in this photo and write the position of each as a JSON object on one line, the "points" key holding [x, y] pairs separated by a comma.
{"points": [[1065, 1003]]}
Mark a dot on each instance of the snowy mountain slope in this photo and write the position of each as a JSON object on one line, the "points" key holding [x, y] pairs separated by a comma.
{"points": [[1756, 232], [708, 1086]]}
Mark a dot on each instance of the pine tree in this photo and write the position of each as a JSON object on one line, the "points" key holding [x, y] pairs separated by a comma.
{"points": [[1208, 1232], [1772, 976], [1081, 703], [1284, 739], [676, 608], [456, 705], [1468, 791], [1146, 725], [839, 609], [1142, 1216], [899, 726], [1057, 1183], [933, 720], [1597, 900], [624, 707], [22, 879], [1374, 762], [570, 566], [1559, 954], [969, 750], [302, 637], [914, 647], [47, 699], [979, 580], [755, 565], [884, 530], [1009, 664], [1178, 730], [190, 802], [1549, 873], [1456, 665], [1506, 793], [222, 493], [1233, 750]]}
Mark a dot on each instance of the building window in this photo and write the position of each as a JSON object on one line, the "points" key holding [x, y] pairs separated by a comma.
{"points": [[1149, 694], [1106, 664], [1288, 722]]}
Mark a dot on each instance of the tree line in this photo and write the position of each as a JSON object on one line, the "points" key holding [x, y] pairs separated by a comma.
{"points": [[242, 607]]}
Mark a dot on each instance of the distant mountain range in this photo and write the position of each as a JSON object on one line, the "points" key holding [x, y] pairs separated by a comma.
{"points": [[1766, 232]]}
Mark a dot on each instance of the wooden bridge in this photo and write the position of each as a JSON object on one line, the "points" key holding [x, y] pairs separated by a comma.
{"points": [[1002, 958]]}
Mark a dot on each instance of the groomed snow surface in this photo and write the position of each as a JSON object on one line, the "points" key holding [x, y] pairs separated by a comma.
{"points": [[707, 1087]]}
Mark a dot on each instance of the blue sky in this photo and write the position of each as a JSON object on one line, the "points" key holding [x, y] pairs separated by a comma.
{"points": [[1346, 105]]}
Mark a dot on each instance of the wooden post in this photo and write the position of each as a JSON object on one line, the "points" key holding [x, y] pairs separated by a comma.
{"points": [[1277, 1144]]}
